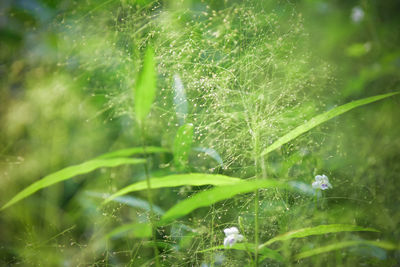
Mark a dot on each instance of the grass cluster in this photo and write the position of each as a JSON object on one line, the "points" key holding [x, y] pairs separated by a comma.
{"points": [[219, 118]]}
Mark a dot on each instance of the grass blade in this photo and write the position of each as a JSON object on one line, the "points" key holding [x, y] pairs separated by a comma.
{"points": [[145, 89], [68, 173], [345, 244], [216, 194], [196, 179], [126, 152], [318, 230], [182, 146], [138, 230], [266, 252], [317, 120]]}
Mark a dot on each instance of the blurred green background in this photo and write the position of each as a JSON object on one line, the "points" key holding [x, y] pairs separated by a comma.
{"points": [[66, 74]]}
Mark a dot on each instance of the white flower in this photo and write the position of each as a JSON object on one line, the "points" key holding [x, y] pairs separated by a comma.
{"points": [[232, 236], [321, 182], [357, 14]]}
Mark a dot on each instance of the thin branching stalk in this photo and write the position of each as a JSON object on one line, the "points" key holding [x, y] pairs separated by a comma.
{"points": [[245, 240], [212, 235], [150, 200], [256, 200], [256, 155]]}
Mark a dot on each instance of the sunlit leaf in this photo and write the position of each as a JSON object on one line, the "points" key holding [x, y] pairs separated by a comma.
{"points": [[266, 252], [145, 88], [345, 244], [318, 230], [138, 230], [133, 151], [216, 194], [321, 119], [68, 173], [182, 146], [195, 179]]}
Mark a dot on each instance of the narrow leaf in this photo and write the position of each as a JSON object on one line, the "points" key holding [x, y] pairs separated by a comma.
{"points": [[345, 244], [216, 194], [145, 89], [138, 230], [133, 151], [318, 230], [182, 146], [195, 179], [266, 252], [323, 118], [68, 173]]}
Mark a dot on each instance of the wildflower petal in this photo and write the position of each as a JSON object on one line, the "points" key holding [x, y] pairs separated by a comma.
{"points": [[315, 185], [321, 182], [231, 231]]}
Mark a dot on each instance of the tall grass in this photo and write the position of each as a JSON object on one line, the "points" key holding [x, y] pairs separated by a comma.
{"points": [[221, 111]]}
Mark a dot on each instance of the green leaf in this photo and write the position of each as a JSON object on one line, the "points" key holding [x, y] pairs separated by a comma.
{"points": [[345, 244], [138, 230], [318, 230], [145, 89], [182, 146], [266, 252], [317, 120], [209, 197], [196, 179], [68, 173], [133, 151]]}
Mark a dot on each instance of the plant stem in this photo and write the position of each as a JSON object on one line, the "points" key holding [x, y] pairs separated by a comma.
{"points": [[212, 235], [260, 172], [256, 155], [245, 241], [150, 200], [256, 200]]}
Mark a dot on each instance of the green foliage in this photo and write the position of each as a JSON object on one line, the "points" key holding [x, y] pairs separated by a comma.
{"points": [[266, 252], [321, 119], [250, 77], [194, 179], [317, 230], [209, 197], [126, 152], [345, 244], [138, 230], [69, 173], [145, 88]]}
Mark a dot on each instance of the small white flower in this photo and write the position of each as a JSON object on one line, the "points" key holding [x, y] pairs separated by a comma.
{"points": [[232, 236], [321, 182], [357, 14]]}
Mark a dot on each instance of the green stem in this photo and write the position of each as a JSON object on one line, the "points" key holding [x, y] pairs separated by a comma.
{"points": [[150, 200], [212, 235], [257, 194], [260, 171], [256, 200], [245, 240]]}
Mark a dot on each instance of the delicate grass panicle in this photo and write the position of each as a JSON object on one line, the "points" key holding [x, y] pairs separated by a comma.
{"points": [[218, 108]]}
